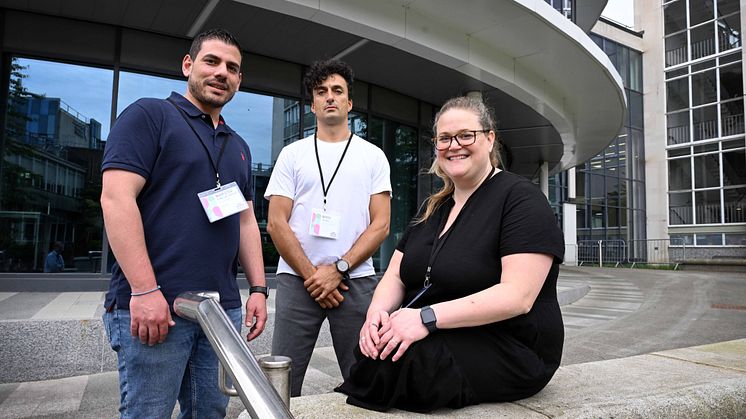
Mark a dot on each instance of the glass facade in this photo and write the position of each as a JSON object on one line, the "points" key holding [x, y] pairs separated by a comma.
{"points": [[55, 125], [706, 149], [55, 120], [610, 188]]}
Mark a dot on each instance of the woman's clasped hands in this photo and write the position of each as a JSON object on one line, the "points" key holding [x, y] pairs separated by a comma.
{"points": [[383, 333]]}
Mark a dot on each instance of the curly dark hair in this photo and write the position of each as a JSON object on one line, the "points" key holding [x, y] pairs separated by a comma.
{"points": [[218, 34], [322, 69]]}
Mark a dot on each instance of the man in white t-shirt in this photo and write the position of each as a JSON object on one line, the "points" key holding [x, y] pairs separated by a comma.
{"points": [[329, 210]]}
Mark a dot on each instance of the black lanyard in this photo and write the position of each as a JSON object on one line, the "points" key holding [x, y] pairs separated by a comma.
{"points": [[325, 188], [438, 243], [215, 165]]}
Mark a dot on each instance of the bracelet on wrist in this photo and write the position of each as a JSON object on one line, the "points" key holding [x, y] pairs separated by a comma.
{"points": [[135, 294]]}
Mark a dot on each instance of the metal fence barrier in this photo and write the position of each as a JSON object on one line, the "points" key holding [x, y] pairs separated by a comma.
{"points": [[602, 252], [632, 252]]}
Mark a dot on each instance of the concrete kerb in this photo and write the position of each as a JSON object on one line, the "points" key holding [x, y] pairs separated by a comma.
{"points": [[49, 349], [698, 382]]}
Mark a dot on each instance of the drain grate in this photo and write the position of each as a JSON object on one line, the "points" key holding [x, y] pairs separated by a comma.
{"points": [[729, 307]]}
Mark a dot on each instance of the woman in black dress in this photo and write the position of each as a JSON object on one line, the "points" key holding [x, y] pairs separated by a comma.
{"points": [[467, 310]]}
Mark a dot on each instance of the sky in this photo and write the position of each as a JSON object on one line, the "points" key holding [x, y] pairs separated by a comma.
{"points": [[87, 90], [621, 11]]}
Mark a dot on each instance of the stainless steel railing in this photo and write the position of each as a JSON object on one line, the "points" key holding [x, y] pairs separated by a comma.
{"points": [[257, 394]]}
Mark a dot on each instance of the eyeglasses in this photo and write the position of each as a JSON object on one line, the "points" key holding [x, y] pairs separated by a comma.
{"points": [[463, 139]]}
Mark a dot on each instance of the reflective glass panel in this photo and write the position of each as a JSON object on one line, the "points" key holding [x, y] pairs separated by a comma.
{"points": [[735, 239], [729, 32], [674, 16], [731, 117], [704, 123], [709, 239], [701, 11], [702, 40], [734, 168], [735, 205], [726, 7], [50, 216], [678, 128], [731, 81], [676, 49], [680, 208], [704, 87], [400, 144], [707, 206], [706, 171], [677, 94], [679, 174]]}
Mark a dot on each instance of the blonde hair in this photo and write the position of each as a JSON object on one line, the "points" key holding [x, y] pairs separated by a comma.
{"points": [[485, 118]]}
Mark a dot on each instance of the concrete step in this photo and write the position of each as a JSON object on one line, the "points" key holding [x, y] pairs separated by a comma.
{"points": [[706, 381], [55, 335]]}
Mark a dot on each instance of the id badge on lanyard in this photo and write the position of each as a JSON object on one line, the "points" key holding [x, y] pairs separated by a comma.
{"points": [[222, 201], [324, 223]]}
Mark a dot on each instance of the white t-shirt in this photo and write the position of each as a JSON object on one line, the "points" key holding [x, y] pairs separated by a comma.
{"points": [[364, 171]]}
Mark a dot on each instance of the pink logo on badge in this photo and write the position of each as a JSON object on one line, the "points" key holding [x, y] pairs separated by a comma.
{"points": [[217, 212]]}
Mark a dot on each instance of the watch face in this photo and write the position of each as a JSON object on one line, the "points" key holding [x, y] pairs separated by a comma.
{"points": [[342, 265], [428, 316]]}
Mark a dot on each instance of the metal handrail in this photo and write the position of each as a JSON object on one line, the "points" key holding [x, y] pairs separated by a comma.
{"points": [[256, 392]]}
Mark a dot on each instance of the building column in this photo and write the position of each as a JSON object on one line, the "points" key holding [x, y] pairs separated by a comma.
{"points": [[570, 221], [544, 178]]}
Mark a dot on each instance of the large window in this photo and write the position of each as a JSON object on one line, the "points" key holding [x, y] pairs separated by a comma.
{"points": [[705, 119], [57, 117], [714, 178], [716, 107], [610, 188]]}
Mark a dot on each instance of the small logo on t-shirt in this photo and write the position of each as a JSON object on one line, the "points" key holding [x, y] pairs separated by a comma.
{"points": [[243, 158]]}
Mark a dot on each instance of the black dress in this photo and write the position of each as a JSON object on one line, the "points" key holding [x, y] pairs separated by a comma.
{"points": [[502, 361]]}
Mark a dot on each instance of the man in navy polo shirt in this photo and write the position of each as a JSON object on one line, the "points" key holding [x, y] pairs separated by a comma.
{"points": [[177, 204]]}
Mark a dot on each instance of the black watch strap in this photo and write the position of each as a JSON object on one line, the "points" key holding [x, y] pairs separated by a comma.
{"points": [[428, 318], [258, 288]]}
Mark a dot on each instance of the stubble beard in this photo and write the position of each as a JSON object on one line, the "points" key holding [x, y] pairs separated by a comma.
{"points": [[197, 90]]}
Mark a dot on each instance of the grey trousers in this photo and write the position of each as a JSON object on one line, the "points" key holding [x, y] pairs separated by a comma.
{"points": [[298, 319]]}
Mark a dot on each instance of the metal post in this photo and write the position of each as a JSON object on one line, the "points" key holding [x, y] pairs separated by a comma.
{"points": [[600, 255], [257, 394]]}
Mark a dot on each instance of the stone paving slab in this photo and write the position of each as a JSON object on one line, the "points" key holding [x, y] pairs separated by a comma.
{"points": [[730, 355]]}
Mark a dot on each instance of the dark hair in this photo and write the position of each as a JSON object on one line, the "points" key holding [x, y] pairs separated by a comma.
{"points": [[218, 34], [322, 69]]}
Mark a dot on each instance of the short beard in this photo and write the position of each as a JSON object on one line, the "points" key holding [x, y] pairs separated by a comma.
{"points": [[194, 89]]}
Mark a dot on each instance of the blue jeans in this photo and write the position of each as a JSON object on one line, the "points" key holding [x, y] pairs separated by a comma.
{"points": [[184, 367]]}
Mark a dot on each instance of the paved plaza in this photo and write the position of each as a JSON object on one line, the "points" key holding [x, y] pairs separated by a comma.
{"points": [[609, 314]]}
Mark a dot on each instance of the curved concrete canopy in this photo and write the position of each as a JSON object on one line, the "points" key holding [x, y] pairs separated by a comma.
{"points": [[520, 49], [557, 96], [587, 12]]}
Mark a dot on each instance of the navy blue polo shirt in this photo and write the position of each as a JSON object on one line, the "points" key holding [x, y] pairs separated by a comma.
{"points": [[188, 253]]}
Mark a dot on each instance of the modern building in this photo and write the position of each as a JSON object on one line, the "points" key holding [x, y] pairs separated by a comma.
{"points": [[581, 102], [694, 124]]}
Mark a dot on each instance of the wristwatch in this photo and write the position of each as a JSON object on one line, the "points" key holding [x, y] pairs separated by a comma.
{"points": [[343, 267], [257, 288], [428, 318]]}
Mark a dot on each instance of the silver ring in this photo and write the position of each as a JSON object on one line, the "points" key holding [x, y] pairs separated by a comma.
{"points": [[374, 325]]}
